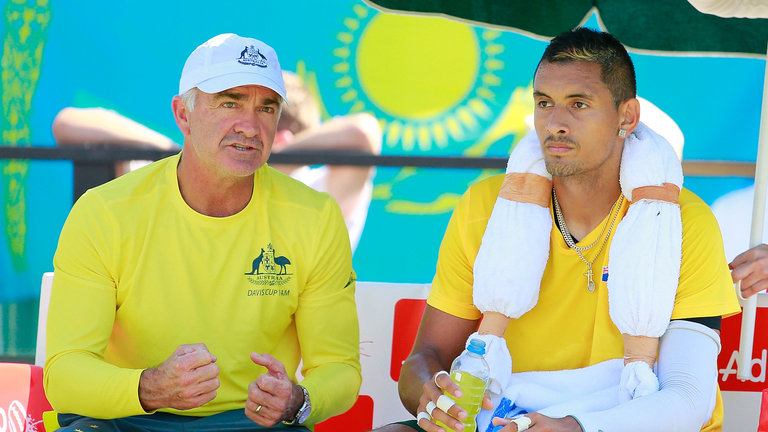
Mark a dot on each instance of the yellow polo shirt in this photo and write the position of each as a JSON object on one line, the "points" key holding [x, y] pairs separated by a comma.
{"points": [[138, 273], [570, 327]]}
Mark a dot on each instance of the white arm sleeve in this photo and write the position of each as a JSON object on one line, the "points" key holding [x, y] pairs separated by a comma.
{"points": [[687, 370]]}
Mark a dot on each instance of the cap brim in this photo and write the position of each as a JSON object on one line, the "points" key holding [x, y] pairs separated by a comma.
{"points": [[237, 79]]}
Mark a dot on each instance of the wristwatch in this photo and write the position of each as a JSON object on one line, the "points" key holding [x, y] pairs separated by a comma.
{"points": [[303, 412]]}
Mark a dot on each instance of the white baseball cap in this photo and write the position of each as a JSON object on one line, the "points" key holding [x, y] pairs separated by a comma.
{"points": [[228, 60]]}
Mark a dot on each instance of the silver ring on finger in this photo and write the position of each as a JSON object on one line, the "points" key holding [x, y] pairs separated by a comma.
{"points": [[258, 408], [442, 372]]}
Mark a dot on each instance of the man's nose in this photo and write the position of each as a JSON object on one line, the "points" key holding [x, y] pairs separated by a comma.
{"points": [[248, 124], [557, 121]]}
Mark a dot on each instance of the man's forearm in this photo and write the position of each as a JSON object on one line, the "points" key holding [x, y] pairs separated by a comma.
{"points": [[688, 377], [417, 369]]}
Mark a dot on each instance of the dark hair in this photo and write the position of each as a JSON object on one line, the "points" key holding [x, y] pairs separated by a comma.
{"points": [[587, 45]]}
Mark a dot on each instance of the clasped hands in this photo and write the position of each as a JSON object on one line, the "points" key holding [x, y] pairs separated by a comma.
{"points": [[189, 378], [435, 406]]}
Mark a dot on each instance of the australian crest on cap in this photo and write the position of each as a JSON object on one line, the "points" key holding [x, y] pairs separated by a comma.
{"points": [[252, 56]]}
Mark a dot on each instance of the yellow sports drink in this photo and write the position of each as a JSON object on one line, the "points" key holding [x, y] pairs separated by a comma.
{"points": [[470, 371]]}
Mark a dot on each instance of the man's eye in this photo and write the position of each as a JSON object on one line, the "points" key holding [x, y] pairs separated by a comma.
{"points": [[544, 104], [268, 109], [580, 105], [228, 104]]}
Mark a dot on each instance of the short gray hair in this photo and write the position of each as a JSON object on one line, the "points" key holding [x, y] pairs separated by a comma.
{"points": [[189, 97]]}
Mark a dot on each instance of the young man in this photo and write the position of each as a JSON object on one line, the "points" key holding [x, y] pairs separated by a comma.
{"points": [[585, 110], [201, 281]]}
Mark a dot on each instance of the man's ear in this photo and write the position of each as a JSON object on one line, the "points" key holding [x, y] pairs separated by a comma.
{"points": [[180, 114], [629, 115]]}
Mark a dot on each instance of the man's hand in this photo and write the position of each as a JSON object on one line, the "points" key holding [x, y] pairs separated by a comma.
{"points": [[187, 379], [451, 416], [272, 397], [751, 269], [540, 423]]}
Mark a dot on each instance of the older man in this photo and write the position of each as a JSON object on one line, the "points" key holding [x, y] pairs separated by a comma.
{"points": [[188, 291]]}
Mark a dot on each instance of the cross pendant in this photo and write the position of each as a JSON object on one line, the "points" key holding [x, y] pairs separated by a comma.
{"points": [[590, 283]]}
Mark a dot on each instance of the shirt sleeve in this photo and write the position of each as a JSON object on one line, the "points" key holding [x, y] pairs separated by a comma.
{"points": [[326, 322], [81, 316], [452, 285], [705, 288]]}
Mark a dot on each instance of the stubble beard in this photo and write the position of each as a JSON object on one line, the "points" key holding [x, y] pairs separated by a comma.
{"points": [[560, 168]]}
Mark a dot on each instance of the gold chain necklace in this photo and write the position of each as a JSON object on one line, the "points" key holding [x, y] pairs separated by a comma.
{"points": [[569, 239]]}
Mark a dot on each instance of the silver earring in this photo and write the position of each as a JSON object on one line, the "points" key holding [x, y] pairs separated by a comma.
{"points": [[622, 133]]}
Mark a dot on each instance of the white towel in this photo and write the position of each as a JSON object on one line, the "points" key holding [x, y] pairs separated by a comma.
{"points": [[511, 286], [645, 252], [499, 361], [557, 393]]}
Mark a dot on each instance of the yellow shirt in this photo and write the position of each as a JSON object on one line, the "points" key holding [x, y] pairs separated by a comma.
{"points": [[574, 322], [138, 273]]}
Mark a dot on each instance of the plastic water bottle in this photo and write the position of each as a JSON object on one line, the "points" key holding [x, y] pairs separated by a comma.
{"points": [[470, 371]]}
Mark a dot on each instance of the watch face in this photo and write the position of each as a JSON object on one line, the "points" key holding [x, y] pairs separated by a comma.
{"points": [[303, 415], [305, 408]]}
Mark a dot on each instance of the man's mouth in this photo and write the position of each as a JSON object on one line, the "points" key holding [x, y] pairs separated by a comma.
{"points": [[242, 147], [558, 145]]}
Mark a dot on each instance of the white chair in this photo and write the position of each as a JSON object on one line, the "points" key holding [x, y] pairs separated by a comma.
{"points": [[376, 303], [42, 317]]}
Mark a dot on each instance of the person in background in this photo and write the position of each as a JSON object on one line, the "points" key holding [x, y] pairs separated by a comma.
{"points": [[749, 268], [202, 281]]}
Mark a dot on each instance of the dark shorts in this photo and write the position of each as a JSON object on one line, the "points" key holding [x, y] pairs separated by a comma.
{"points": [[411, 424], [229, 421]]}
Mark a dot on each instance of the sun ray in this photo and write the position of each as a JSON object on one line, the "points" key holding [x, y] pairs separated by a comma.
{"points": [[423, 138], [352, 24], [466, 117], [494, 49], [489, 35], [439, 134], [480, 108], [485, 93], [342, 68], [350, 95], [408, 135], [360, 11], [490, 79], [341, 52], [454, 128], [345, 37], [393, 133], [344, 81], [494, 64]]}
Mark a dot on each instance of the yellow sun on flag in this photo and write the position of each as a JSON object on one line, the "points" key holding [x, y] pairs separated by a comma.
{"points": [[429, 80]]}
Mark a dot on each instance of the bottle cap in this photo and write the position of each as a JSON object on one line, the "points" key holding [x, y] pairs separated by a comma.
{"points": [[476, 346]]}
